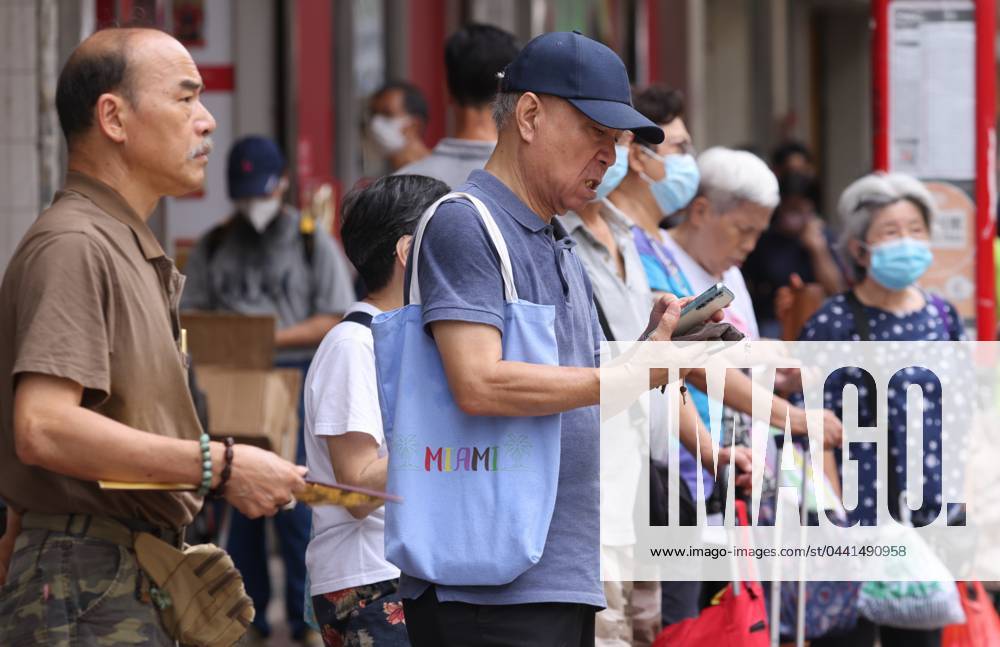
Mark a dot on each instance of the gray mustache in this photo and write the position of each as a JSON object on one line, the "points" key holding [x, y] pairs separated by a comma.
{"points": [[204, 149]]}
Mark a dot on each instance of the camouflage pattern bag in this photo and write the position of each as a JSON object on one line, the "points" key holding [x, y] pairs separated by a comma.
{"points": [[198, 591]]}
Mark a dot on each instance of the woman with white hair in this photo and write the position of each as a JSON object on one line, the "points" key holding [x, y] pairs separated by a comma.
{"points": [[887, 219], [886, 241], [721, 226]]}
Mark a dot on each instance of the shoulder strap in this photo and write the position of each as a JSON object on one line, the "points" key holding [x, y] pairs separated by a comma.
{"points": [[603, 320], [864, 331], [308, 245], [506, 269], [358, 317], [860, 318], [307, 234]]}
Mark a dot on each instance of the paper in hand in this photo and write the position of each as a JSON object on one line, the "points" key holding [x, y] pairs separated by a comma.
{"points": [[314, 494], [343, 495]]}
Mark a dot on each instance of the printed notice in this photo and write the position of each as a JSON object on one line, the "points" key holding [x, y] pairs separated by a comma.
{"points": [[932, 89]]}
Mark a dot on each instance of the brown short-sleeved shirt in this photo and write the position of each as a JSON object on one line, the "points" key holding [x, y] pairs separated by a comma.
{"points": [[90, 296]]}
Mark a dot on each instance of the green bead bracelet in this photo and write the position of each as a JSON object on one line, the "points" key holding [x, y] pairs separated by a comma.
{"points": [[206, 464]]}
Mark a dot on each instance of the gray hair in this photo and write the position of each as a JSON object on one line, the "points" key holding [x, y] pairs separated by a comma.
{"points": [[504, 104], [866, 197], [731, 177]]}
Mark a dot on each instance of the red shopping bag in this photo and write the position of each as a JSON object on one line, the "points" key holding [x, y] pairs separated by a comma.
{"points": [[982, 624], [739, 619]]}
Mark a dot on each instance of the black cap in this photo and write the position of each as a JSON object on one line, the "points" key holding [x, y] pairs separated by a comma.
{"points": [[584, 72], [255, 166]]}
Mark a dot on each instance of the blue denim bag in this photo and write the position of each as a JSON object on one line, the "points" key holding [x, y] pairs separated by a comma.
{"points": [[478, 491]]}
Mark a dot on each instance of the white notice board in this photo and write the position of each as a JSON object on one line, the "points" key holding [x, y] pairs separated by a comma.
{"points": [[932, 88]]}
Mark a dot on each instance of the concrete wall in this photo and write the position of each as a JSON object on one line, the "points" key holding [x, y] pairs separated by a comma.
{"points": [[846, 102], [727, 108], [20, 197], [800, 73], [255, 108]]}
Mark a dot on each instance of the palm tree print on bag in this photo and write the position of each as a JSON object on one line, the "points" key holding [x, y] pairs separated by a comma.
{"points": [[515, 446], [404, 452]]}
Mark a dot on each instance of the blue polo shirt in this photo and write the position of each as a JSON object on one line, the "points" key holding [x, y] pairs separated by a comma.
{"points": [[460, 281]]}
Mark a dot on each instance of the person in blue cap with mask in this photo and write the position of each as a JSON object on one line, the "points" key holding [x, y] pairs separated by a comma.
{"points": [[263, 260], [563, 103]]}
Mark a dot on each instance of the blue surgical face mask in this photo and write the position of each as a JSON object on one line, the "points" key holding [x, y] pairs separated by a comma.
{"points": [[898, 263], [615, 173], [680, 184]]}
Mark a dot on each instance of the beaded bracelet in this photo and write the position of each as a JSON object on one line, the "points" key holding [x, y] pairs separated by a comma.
{"points": [[206, 465], [227, 468]]}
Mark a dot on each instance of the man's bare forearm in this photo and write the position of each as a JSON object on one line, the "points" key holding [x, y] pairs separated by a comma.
{"points": [[484, 384], [52, 431], [522, 389], [69, 439]]}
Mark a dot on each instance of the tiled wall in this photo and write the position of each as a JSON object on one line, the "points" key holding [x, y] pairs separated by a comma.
{"points": [[19, 185]]}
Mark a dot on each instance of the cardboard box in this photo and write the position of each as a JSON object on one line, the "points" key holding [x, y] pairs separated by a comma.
{"points": [[248, 399], [232, 340], [257, 407]]}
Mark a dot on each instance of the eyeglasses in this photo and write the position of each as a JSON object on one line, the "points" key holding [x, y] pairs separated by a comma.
{"points": [[685, 146]]}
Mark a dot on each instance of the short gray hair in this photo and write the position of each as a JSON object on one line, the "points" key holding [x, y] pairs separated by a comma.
{"points": [[731, 177], [866, 197], [504, 105]]}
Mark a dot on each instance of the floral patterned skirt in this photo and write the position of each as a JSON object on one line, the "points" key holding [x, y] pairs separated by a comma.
{"points": [[363, 616]]}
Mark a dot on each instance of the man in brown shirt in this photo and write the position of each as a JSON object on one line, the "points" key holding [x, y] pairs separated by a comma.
{"points": [[92, 379]]}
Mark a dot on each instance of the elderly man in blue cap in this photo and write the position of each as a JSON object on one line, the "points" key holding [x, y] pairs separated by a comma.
{"points": [[262, 260], [563, 102]]}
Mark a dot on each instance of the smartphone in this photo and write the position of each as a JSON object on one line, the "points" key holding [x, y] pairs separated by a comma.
{"points": [[703, 307]]}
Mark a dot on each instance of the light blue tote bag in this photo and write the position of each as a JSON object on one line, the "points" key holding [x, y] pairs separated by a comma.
{"points": [[478, 492]]}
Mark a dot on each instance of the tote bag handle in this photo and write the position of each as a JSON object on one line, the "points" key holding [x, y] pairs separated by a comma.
{"points": [[506, 270]]}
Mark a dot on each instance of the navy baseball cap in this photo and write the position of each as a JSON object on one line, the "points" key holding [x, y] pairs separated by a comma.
{"points": [[584, 72], [255, 167]]}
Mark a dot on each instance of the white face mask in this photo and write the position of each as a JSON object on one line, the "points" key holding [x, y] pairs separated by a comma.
{"points": [[259, 211], [388, 133]]}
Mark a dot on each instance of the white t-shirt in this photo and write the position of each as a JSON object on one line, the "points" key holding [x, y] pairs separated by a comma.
{"points": [[341, 395], [740, 312]]}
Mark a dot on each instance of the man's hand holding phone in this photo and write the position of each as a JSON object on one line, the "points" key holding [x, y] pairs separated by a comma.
{"points": [[672, 316]]}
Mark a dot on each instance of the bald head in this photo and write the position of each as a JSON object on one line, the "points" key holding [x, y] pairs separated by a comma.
{"points": [[107, 61]]}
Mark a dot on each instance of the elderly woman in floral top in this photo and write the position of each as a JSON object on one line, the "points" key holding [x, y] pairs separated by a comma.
{"points": [[887, 219]]}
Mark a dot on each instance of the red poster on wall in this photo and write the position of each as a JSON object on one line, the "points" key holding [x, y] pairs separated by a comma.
{"points": [[189, 22]]}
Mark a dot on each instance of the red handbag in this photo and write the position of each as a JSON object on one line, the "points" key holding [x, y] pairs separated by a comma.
{"points": [[982, 624], [738, 618]]}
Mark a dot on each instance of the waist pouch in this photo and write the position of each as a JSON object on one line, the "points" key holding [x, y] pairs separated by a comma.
{"points": [[198, 591]]}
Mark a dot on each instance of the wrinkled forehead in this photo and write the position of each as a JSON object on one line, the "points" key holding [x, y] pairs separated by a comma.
{"points": [[161, 63], [747, 214]]}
